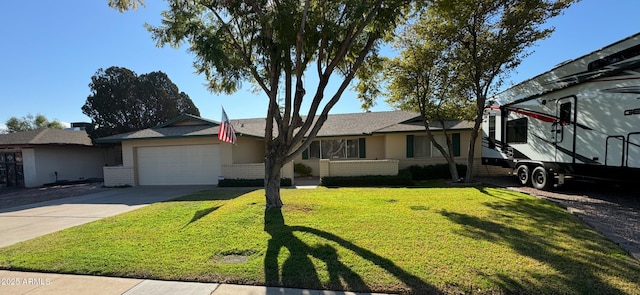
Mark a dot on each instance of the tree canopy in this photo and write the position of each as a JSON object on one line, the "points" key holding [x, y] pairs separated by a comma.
{"points": [[455, 54], [275, 45], [486, 40], [31, 122], [122, 101], [422, 79], [122, 5]]}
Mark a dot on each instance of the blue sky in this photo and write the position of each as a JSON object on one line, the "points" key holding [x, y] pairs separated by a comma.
{"points": [[51, 49]]}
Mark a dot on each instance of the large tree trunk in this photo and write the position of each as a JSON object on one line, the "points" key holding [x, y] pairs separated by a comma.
{"points": [[472, 147], [453, 169], [272, 168]]}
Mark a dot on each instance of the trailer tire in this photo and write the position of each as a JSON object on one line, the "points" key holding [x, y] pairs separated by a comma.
{"points": [[541, 179], [522, 172]]}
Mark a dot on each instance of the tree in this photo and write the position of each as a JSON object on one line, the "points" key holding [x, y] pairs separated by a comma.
{"points": [[419, 79], [122, 5], [488, 39], [462, 49], [422, 80], [122, 101], [272, 44], [31, 122]]}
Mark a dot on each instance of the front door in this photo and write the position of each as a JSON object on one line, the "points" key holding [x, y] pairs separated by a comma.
{"points": [[564, 130], [11, 170]]}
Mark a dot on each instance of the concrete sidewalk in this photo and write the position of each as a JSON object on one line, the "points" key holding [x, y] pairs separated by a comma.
{"points": [[30, 221], [15, 282]]}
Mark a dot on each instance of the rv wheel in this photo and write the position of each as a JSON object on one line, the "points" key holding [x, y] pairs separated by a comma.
{"points": [[541, 179], [523, 175]]}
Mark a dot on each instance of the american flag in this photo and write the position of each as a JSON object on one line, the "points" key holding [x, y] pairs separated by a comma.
{"points": [[226, 132]]}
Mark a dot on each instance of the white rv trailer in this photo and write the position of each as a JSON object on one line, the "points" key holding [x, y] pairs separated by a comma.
{"points": [[581, 118]]}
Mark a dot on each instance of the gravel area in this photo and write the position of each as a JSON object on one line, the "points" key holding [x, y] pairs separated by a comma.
{"points": [[12, 197], [611, 209]]}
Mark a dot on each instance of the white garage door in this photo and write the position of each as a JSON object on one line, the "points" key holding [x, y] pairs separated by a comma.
{"points": [[179, 165]]}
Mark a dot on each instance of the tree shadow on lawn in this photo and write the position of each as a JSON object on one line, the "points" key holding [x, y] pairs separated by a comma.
{"points": [[214, 194], [200, 214], [210, 195], [298, 269], [582, 273]]}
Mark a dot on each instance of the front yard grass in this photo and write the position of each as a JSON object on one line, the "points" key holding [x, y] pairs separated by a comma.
{"points": [[480, 240]]}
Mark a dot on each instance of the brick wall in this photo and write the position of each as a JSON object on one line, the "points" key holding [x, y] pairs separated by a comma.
{"points": [[118, 176], [243, 171], [252, 171]]}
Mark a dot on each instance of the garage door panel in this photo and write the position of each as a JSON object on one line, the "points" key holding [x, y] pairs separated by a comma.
{"points": [[178, 165]]}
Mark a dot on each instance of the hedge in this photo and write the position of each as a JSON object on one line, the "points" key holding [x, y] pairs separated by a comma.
{"points": [[302, 169], [438, 171], [249, 182], [367, 181]]}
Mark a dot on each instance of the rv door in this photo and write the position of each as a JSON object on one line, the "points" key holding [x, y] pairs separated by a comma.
{"points": [[564, 129]]}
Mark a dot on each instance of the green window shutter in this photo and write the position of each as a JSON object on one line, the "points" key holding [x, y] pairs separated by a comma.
{"points": [[455, 138], [305, 154], [409, 146], [362, 149]]}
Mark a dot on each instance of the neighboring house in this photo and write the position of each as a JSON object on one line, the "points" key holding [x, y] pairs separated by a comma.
{"points": [[36, 157], [186, 150]]}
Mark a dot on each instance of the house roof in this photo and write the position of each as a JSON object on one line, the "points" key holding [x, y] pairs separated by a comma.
{"points": [[417, 125], [46, 136], [363, 123], [381, 122], [335, 125]]}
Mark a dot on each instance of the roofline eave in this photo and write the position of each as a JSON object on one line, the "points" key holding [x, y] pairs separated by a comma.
{"points": [[171, 137]]}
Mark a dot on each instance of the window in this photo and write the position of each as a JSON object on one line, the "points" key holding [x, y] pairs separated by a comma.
{"points": [[517, 130], [11, 170], [332, 149], [335, 149], [442, 141], [614, 58], [352, 148], [314, 150], [422, 147], [565, 113], [492, 131]]}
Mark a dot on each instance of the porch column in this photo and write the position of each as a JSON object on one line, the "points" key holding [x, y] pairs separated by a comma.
{"points": [[324, 168]]}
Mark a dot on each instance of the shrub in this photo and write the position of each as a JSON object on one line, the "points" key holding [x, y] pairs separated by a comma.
{"points": [[438, 171], [367, 181], [302, 169], [249, 182]]}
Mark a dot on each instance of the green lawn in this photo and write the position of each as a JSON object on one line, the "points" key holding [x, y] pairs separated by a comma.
{"points": [[407, 240]]}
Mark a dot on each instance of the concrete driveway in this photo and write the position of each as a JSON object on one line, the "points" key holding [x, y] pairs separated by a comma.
{"points": [[26, 222]]}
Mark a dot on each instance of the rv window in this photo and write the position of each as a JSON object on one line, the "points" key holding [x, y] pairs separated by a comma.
{"points": [[614, 58], [492, 131], [517, 131], [565, 113]]}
